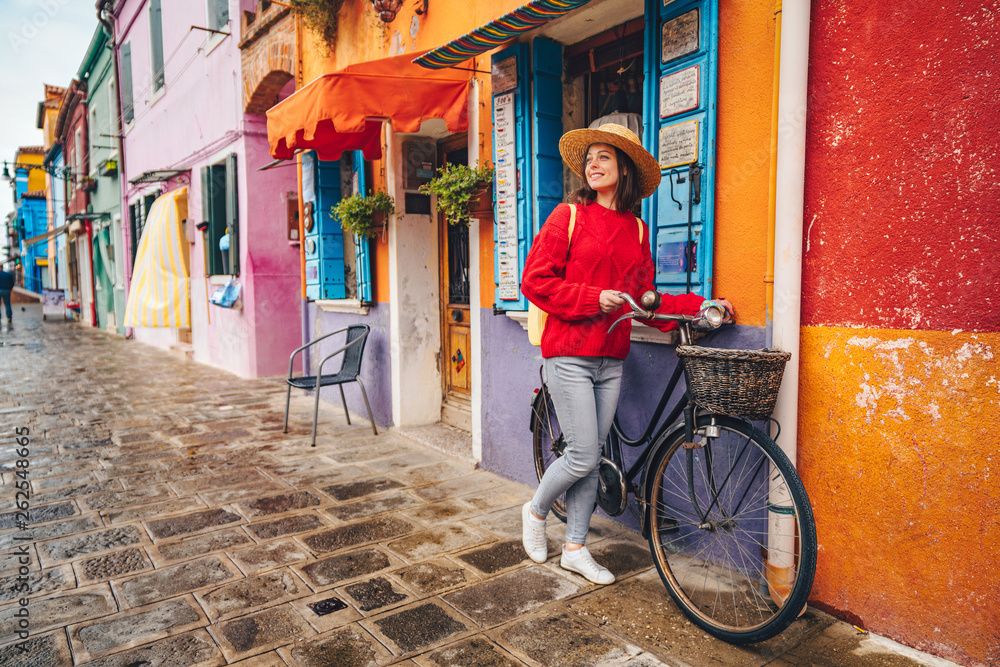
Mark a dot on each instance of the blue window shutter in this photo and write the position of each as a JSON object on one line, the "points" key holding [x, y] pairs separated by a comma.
{"points": [[523, 185], [362, 256], [325, 241], [547, 128], [682, 235]]}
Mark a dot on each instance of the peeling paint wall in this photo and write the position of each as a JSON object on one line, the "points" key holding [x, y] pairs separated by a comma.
{"points": [[899, 395]]}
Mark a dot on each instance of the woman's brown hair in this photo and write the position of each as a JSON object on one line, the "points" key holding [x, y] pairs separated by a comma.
{"points": [[626, 193]]}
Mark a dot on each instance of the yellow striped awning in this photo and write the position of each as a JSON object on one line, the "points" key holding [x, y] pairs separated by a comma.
{"points": [[159, 294]]}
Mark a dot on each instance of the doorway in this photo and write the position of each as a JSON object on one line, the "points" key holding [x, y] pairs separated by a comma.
{"points": [[456, 339]]}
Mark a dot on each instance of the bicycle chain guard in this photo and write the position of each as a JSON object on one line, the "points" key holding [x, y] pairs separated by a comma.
{"points": [[611, 494]]}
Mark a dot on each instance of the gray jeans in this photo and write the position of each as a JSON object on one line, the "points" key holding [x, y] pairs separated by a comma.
{"points": [[585, 393]]}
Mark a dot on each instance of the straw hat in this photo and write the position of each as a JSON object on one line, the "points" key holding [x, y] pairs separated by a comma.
{"points": [[573, 146]]}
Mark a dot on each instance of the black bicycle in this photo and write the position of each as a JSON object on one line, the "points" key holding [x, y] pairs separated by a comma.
{"points": [[728, 520]]}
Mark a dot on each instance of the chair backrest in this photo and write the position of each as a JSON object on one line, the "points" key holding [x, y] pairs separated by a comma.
{"points": [[353, 354]]}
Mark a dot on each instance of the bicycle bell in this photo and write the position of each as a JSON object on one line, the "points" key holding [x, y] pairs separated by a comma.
{"points": [[650, 300]]}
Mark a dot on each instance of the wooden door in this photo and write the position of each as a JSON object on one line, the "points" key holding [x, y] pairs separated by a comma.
{"points": [[453, 245]]}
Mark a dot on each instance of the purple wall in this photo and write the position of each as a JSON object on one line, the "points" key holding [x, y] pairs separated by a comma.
{"points": [[375, 365]]}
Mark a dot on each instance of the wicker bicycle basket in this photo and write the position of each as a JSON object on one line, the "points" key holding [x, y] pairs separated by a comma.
{"points": [[743, 383]]}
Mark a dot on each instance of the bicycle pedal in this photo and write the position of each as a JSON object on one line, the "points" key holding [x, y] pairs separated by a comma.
{"points": [[693, 445]]}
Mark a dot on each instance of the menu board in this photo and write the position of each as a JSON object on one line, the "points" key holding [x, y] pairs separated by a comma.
{"points": [[679, 92], [504, 75], [678, 144], [505, 146], [681, 36]]}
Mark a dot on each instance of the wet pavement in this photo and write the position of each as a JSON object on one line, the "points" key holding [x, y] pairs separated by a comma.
{"points": [[171, 522]]}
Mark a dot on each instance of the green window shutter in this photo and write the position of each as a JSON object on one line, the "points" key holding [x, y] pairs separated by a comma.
{"points": [[156, 42], [128, 110], [681, 55], [211, 241], [233, 214], [512, 232]]}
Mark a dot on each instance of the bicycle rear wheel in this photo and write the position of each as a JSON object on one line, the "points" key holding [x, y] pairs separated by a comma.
{"points": [[731, 531], [548, 443]]}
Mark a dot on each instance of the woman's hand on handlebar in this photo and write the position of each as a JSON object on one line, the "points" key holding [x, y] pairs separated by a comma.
{"points": [[730, 311], [610, 301]]}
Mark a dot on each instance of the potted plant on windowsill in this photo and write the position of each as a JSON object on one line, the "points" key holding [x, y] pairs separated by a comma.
{"points": [[88, 184], [462, 190], [365, 216]]}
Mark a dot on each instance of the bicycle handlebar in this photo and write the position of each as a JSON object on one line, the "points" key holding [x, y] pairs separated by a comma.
{"points": [[711, 316]]}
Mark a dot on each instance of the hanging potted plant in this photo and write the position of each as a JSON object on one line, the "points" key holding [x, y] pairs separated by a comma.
{"points": [[365, 216], [461, 190]]}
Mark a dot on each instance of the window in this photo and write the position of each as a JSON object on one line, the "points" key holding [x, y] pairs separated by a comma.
{"points": [[335, 268], [669, 94], [220, 210], [138, 211], [218, 14], [156, 43], [93, 127], [78, 154], [128, 111]]}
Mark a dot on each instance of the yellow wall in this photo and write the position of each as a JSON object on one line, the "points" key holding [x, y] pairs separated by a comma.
{"points": [[36, 177], [899, 450]]}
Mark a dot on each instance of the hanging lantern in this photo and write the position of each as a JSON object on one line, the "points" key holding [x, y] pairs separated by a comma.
{"points": [[387, 9]]}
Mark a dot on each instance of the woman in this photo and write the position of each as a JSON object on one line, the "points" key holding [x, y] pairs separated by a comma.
{"points": [[576, 277]]}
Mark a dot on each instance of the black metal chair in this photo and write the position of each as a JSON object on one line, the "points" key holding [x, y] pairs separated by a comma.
{"points": [[350, 371]]}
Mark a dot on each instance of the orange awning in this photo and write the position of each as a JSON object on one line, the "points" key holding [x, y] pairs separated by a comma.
{"points": [[344, 110]]}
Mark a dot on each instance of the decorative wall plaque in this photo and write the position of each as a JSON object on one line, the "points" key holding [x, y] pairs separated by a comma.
{"points": [[681, 36], [680, 91], [505, 146], [504, 75], [678, 144]]}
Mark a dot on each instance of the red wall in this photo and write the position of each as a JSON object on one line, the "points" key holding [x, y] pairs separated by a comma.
{"points": [[902, 212]]}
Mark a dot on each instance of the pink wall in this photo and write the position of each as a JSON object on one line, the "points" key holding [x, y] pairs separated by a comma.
{"points": [[196, 121]]}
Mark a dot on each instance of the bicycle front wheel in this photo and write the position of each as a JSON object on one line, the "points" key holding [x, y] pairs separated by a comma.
{"points": [[548, 442], [731, 530]]}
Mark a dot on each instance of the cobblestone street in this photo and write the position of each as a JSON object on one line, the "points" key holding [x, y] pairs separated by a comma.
{"points": [[173, 523]]}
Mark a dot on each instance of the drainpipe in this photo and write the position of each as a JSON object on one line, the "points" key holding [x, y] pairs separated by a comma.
{"points": [[793, 78]]}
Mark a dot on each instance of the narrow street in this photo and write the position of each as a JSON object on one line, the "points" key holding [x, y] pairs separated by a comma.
{"points": [[173, 523]]}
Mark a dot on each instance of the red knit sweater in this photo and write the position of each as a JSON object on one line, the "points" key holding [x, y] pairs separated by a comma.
{"points": [[565, 277]]}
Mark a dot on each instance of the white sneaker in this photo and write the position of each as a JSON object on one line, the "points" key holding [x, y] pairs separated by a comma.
{"points": [[533, 535], [582, 562]]}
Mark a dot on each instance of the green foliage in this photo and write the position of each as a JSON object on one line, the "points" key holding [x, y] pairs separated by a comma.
{"points": [[454, 186], [357, 213], [320, 16]]}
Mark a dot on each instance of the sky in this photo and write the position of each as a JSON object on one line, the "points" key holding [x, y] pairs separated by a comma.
{"points": [[41, 41]]}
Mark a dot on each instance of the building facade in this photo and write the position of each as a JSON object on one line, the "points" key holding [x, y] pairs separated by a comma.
{"points": [[700, 79]]}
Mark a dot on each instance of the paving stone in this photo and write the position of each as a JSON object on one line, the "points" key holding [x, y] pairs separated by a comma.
{"points": [[38, 515], [405, 462], [432, 473], [63, 480], [287, 526], [448, 510], [151, 510], [48, 531], [562, 640], [622, 557], [107, 501], [496, 601], [58, 610], [259, 632], [326, 476], [277, 504], [413, 629], [198, 545], [109, 566], [253, 560], [307, 465], [194, 649], [237, 493], [232, 478], [140, 457], [425, 544], [183, 524], [346, 647], [70, 548], [236, 599], [271, 659], [39, 651], [496, 557], [212, 437], [433, 576], [75, 491], [376, 593], [369, 530], [472, 652], [319, 611], [135, 627], [476, 483], [360, 488], [161, 476], [336, 569], [38, 583], [174, 580], [389, 502]]}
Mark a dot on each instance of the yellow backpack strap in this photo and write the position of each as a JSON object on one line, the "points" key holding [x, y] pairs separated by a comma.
{"points": [[638, 221], [572, 223]]}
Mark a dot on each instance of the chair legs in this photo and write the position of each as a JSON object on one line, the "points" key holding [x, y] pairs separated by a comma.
{"points": [[368, 407], [343, 399], [288, 400], [315, 411]]}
